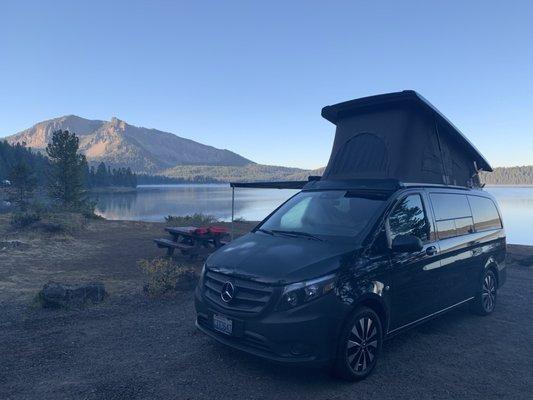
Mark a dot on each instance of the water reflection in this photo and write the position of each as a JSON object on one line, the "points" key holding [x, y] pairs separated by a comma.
{"points": [[516, 204], [154, 202]]}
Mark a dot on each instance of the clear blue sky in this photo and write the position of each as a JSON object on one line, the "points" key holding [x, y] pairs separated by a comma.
{"points": [[253, 76]]}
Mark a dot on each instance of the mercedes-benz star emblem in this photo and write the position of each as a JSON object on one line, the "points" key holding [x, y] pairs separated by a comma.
{"points": [[228, 291]]}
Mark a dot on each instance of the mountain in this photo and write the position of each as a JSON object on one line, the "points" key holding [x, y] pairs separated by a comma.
{"points": [[120, 144]]}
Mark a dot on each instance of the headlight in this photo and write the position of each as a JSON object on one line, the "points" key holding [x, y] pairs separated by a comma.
{"points": [[202, 274], [302, 292]]}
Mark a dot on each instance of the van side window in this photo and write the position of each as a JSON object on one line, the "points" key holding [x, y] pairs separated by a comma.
{"points": [[409, 217], [485, 213], [450, 206], [452, 214]]}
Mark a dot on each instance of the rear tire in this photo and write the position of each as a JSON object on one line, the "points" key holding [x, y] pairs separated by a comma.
{"points": [[359, 345], [485, 300]]}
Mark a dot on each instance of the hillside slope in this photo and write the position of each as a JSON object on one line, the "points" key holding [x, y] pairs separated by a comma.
{"points": [[120, 144]]}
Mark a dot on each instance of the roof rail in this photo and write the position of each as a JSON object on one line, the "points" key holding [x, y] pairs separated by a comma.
{"points": [[435, 185]]}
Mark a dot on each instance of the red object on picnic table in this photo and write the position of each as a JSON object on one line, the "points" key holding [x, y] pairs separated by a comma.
{"points": [[215, 230]]}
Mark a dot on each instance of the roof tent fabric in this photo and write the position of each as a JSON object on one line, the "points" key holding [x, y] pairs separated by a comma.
{"points": [[399, 136]]}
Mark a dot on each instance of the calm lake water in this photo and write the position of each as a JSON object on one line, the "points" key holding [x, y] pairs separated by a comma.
{"points": [[154, 202]]}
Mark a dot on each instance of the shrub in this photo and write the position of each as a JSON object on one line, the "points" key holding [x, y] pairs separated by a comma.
{"points": [[87, 209], [195, 219], [24, 219], [61, 222], [165, 276]]}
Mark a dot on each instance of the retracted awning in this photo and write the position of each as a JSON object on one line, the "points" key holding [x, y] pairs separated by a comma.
{"points": [[270, 185]]}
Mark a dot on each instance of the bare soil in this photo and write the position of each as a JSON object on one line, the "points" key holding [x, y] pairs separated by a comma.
{"points": [[134, 347]]}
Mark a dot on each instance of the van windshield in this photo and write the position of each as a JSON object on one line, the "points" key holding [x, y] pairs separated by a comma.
{"points": [[324, 213]]}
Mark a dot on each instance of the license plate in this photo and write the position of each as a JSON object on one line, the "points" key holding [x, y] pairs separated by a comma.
{"points": [[222, 324]]}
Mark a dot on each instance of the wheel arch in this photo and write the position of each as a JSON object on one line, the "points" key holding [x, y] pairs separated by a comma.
{"points": [[376, 304], [492, 265]]}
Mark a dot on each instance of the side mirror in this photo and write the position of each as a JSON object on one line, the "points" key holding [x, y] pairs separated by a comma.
{"points": [[406, 244]]}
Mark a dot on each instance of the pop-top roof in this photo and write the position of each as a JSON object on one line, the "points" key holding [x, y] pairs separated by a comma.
{"points": [[339, 111], [399, 136]]}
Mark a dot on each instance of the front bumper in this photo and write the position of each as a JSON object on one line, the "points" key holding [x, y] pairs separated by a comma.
{"points": [[306, 334]]}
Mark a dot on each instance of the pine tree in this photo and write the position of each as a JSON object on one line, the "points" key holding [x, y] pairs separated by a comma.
{"points": [[67, 169], [101, 178], [23, 183]]}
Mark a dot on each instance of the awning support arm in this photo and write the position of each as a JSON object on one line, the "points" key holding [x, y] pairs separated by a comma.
{"points": [[232, 210]]}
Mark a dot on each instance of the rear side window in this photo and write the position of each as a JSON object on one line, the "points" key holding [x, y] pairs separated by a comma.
{"points": [[485, 213], [452, 214], [450, 206], [409, 217]]}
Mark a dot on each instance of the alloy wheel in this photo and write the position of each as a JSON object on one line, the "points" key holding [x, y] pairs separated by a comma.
{"points": [[362, 344], [488, 293]]}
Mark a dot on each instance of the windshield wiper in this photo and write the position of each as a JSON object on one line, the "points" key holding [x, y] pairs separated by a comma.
{"points": [[265, 231], [298, 233]]}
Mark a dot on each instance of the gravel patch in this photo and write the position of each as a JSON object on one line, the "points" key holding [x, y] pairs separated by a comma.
{"points": [[132, 347]]}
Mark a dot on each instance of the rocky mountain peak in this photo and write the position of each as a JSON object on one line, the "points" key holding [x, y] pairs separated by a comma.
{"points": [[118, 123], [119, 144]]}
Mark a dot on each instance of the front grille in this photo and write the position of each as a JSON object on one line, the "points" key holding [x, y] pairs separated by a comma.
{"points": [[249, 297]]}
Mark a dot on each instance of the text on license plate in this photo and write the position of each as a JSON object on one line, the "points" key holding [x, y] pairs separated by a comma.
{"points": [[222, 324]]}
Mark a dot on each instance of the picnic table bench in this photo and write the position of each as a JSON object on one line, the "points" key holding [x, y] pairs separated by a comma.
{"points": [[193, 241]]}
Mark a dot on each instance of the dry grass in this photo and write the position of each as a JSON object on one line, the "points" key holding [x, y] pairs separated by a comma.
{"points": [[96, 250]]}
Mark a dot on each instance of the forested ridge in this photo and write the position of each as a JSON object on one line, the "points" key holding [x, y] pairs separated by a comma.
{"points": [[12, 155], [39, 167], [101, 175], [509, 176]]}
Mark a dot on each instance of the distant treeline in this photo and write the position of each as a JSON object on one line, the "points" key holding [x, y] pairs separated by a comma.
{"points": [[12, 155], [143, 179], [509, 176], [105, 176], [247, 173]]}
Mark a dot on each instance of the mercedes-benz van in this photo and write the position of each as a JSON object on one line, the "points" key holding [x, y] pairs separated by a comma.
{"points": [[338, 268], [360, 254]]}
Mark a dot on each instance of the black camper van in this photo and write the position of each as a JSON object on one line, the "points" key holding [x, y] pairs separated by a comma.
{"points": [[397, 231]]}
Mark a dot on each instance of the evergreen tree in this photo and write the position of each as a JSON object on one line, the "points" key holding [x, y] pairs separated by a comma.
{"points": [[23, 184], [67, 169], [101, 178], [10, 155]]}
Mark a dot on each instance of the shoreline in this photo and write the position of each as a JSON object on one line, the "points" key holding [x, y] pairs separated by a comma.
{"points": [[522, 185], [112, 189]]}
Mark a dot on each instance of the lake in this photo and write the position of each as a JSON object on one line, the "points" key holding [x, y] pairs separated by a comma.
{"points": [[154, 202]]}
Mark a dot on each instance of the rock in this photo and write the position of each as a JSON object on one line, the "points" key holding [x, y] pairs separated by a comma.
{"points": [[13, 244], [55, 295]]}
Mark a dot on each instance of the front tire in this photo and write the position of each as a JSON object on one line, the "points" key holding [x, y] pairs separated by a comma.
{"points": [[359, 345], [485, 300]]}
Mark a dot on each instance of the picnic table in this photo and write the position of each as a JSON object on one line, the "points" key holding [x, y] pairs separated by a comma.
{"points": [[193, 241]]}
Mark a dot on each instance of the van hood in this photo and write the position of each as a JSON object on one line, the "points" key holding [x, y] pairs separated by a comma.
{"points": [[278, 259]]}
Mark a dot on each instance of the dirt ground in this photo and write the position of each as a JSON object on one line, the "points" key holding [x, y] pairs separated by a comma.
{"points": [[100, 250], [133, 347]]}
